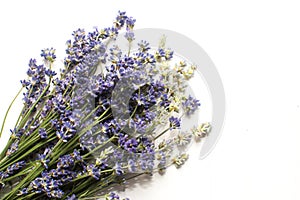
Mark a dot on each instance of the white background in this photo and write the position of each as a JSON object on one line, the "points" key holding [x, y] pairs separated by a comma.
{"points": [[255, 46]]}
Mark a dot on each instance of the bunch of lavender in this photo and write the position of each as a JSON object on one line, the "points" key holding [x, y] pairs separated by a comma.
{"points": [[100, 121]]}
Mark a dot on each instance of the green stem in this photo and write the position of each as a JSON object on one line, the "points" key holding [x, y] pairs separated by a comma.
{"points": [[99, 147], [23, 121], [31, 176], [90, 114], [21, 173], [29, 196], [77, 137], [161, 134], [23, 154], [92, 189], [129, 48], [8, 109], [2, 155], [20, 116]]}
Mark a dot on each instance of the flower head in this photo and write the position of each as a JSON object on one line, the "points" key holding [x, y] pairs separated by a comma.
{"points": [[190, 105], [143, 46], [174, 122], [49, 54], [129, 35], [42, 133]]}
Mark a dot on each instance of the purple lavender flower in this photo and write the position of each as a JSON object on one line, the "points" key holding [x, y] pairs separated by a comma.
{"points": [[167, 54], [15, 167], [50, 73], [66, 131], [174, 122], [132, 165], [16, 133], [190, 105], [165, 102], [143, 46], [161, 157], [113, 196], [118, 169], [120, 19], [23, 191], [13, 148], [130, 23], [131, 145], [129, 35], [48, 54], [76, 155], [3, 175], [47, 185], [76, 108], [65, 162], [44, 161], [73, 197], [42, 133], [57, 193], [35, 85], [93, 171]]}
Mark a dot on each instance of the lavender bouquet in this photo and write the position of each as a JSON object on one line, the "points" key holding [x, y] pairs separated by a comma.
{"points": [[107, 117]]}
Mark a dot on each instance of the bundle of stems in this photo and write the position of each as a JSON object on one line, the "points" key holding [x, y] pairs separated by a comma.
{"points": [[81, 131]]}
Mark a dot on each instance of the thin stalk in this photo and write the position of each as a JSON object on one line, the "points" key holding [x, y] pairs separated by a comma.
{"points": [[23, 121], [12, 194], [98, 147], [161, 134], [8, 109]]}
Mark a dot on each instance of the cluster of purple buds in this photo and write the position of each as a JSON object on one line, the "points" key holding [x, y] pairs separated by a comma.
{"points": [[174, 122], [190, 105], [11, 170], [48, 54], [46, 184], [114, 196], [74, 130]]}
